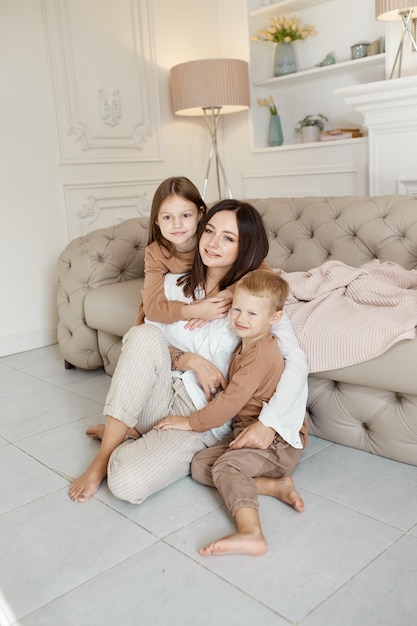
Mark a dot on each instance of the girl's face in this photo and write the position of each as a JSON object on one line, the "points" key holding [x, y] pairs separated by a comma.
{"points": [[219, 243], [177, 220]]}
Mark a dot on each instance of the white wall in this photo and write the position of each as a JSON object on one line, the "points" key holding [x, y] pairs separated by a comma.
{"points": [[36, 187], [38, 190], [32, 229]]}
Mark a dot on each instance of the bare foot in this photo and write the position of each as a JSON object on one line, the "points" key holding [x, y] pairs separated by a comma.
{"points": [[281, 488], [239, 543], [87, 484], [97, 432]]}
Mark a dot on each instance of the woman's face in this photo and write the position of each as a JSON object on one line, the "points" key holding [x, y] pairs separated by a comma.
{"points": [[219, 243]]}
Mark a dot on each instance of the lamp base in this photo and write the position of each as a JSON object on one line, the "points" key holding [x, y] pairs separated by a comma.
{"points": [[406, 17], [212, 115]]}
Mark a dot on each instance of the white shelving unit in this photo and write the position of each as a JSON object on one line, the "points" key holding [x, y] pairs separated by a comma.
{"points": [[279, 8], [311, 85], [377, 60]]}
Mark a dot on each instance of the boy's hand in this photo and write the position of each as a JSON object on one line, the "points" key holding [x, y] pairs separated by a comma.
{"points": [[174, 422], [254, 436]]}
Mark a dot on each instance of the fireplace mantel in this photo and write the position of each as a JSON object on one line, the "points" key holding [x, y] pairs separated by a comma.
{"points": [[389, 108]]}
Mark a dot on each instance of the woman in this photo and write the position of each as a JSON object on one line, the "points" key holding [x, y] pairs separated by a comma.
{"points": [[167, 369]]}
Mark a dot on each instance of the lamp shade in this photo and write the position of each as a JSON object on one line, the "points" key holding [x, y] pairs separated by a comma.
{"points": [[389, 10], [209, 83]]}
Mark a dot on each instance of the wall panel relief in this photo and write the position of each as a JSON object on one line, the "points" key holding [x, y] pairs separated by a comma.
{"points": [[299, 182], [98, 205], [104, 80]]}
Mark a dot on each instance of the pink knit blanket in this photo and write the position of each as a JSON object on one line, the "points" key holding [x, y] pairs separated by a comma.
{"points": [[344, 315]]}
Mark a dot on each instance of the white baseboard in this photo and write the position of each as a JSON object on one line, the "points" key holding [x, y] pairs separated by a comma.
{"points": [[27, 341]]}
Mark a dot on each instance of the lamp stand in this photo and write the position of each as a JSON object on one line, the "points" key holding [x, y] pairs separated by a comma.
{"points": [[407, 28], [212, 115]]}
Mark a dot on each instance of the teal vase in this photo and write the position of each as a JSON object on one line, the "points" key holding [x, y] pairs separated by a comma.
{"points": [[284, 59], [275, 135]]}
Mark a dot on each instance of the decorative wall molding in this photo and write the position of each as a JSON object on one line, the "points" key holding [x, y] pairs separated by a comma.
{"points": [[306, 181], [110, 112], [407, 186], [98, 205], [116, 39]]}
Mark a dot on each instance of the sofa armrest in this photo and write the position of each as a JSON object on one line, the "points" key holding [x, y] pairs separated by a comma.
{"points": [[102, 257]]}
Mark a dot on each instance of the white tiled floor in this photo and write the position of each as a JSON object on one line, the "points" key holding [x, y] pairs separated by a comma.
{"points": [[349, 560]]}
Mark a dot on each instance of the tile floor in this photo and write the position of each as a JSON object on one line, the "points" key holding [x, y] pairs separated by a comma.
{"points": [[349, 560]]}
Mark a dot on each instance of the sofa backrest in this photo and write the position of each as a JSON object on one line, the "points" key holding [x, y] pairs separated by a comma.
{"points": [[306, 232]]}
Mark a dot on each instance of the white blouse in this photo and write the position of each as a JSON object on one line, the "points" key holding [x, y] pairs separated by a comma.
{"points": [[216, 341]]}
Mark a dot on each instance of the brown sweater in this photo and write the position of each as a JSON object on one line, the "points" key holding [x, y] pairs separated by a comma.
{"points": [[253, 376], [158, 262]]}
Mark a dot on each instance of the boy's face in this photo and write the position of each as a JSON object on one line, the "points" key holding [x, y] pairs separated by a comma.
{"points": [[252, 316]]}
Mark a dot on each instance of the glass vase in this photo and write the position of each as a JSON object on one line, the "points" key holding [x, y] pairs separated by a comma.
{"points": [[275, 135], [284, 59]]}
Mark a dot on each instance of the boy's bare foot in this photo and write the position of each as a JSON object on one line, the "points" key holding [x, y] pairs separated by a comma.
{"points": [[87, 484], [281, 488], [239, 543], [97, 432]]}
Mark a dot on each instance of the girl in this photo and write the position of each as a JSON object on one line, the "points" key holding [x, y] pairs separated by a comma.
{"points": [[177, 208], [165, 369]]}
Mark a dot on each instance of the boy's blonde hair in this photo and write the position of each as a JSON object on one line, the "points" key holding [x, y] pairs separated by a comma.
{"points": [[266, 284]]}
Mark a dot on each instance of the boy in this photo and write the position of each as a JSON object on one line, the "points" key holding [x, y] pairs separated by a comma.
{"points": [[254, 371]]}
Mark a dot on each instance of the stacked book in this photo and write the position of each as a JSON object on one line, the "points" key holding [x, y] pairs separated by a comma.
{"points": [[340, 133]]}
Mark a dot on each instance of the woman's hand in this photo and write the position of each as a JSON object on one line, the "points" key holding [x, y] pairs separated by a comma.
{"points": [[174, 422], [209, 376], [254, 436]]}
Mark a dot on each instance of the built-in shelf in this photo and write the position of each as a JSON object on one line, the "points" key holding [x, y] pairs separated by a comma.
{"points": [[278, 8], [303, 75], [307, 146]]}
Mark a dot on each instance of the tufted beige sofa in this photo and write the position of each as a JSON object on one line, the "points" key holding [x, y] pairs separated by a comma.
{"points": [[371, 406]]}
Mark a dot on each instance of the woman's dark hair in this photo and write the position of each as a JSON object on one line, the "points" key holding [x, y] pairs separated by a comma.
{"points": [[253, 246], [174, 186]]}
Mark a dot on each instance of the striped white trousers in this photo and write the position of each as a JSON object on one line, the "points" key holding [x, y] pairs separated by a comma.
{"points": [[141, 393]]}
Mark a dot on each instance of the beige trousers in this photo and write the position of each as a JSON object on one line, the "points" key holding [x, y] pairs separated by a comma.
{"points": [[142, 392]]}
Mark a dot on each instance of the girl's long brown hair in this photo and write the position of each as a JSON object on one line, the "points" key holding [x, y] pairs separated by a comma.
{"points": [[253, 246]]}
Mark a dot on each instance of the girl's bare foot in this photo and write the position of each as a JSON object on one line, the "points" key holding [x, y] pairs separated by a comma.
{"points": [[281, 488], [87, 484], [97, 431], [239, 543]]}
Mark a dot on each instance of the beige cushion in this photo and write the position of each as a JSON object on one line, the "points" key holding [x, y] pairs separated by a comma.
{"points": [[112, 308], [394, 370]]}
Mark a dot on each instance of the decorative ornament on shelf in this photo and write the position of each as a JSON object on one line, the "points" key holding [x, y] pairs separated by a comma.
{"points": [[310, 127], [275, 134], [283, 31], [329, 59]]}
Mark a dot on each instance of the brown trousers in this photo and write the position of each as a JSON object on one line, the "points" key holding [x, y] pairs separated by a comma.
{"points": [[234, 472]]}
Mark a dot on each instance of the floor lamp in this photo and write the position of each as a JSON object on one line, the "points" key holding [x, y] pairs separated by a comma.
{"points": [[211, 87], [395, 10]]}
